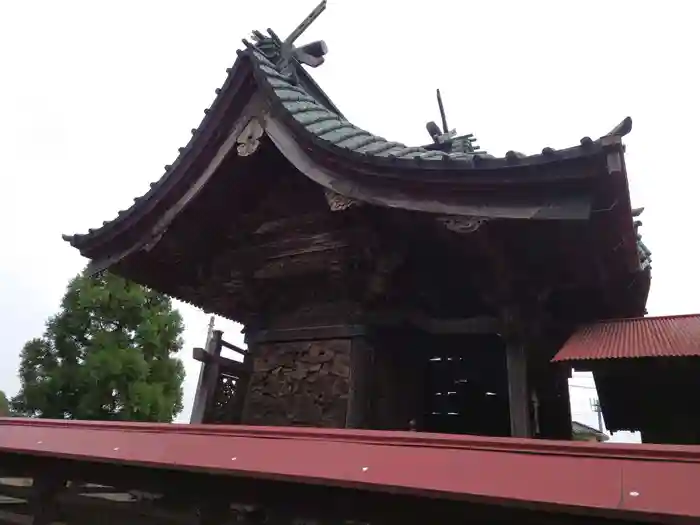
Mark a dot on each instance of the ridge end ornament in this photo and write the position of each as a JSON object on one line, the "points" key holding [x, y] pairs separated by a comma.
{"points": [[312, 54], [248, 140]]}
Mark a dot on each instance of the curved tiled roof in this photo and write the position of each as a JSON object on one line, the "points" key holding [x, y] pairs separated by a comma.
{"points": [[289, 89], [331, 129]]}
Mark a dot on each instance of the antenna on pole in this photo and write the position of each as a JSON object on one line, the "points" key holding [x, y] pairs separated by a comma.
{"points": [[595, 406]]}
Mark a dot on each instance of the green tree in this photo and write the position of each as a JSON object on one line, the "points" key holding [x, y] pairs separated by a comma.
{"points": [[4, 405], [109, 354]]}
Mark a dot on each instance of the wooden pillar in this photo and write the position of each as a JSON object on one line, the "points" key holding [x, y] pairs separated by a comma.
{"points": [[519, 399], [359, 397], [554, 408], [208, 379]]}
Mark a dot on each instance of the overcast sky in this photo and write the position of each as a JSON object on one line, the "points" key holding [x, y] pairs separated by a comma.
{"points": [[96, 97]]}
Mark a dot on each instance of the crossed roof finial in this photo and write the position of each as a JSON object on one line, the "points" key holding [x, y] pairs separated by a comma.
{"points": [[311, 54]]}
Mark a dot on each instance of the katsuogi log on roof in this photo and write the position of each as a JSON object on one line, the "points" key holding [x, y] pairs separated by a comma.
{"points": [[273, 155]]}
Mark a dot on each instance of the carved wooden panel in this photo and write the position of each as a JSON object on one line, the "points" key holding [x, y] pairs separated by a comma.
{"points": [[299, 383]]}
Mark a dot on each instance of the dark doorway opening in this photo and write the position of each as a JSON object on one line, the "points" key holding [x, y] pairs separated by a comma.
{"points": [[466, 385]]}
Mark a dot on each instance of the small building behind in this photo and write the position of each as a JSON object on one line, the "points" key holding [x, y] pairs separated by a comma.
{"points": [[581, 432]]}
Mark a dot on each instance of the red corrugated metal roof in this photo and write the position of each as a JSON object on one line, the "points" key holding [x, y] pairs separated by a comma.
{"points": [[669, 336], [593, 478]]}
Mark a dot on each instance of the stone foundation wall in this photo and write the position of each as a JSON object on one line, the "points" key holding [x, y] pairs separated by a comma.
{"points": [[303, 383]]}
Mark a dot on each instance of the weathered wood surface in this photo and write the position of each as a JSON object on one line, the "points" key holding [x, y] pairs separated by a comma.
{"points": [[299, 383], [208, 378]]}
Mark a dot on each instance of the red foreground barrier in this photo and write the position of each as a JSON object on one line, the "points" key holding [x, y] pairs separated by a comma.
{"points": [[583, 477]]}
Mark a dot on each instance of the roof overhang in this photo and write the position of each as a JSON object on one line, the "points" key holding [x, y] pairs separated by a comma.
{"points": [[563, 185]]}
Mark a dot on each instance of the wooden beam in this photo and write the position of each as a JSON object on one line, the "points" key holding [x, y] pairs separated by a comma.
{"points": [[225, 364], [469, 325], [233, 347], [305, 334]]}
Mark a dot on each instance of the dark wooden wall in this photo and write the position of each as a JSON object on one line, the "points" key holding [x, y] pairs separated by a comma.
{"points": [[657, 396]]}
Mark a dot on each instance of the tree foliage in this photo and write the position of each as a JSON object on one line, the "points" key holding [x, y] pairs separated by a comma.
{"points": [[4, 405], [109, 354]]}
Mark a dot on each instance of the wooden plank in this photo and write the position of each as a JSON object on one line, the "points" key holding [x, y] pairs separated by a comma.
{"points": [[233, 347], [518, 391], [225, 364], [14, 491], [292, 246]]}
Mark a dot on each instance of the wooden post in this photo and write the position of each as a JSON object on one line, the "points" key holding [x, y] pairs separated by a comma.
{"points": [[359, 396], [518, 391], [242, 384], [45, 488], [208, 380], [213, 513], [552, 386]]}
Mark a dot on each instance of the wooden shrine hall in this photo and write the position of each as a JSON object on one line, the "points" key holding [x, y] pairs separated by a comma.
{"points": [[381, 286]]}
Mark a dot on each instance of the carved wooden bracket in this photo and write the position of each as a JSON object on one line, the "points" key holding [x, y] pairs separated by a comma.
{"points": [[338, 202], [248, 140], [462, 224]]}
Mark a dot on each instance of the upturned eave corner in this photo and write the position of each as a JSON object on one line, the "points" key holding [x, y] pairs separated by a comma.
{"points": [[236, 89]]}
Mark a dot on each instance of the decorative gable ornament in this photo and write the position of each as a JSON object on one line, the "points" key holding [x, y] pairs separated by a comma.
{"points": [[249, 139]]}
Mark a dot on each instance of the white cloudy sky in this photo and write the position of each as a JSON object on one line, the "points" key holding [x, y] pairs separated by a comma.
{"points": [[95, 97]]}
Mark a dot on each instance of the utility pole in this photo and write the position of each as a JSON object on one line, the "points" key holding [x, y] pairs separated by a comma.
{"points": [[595, 406]]}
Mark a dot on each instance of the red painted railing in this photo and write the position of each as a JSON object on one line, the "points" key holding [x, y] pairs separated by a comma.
{"points": [[648, 479]]}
